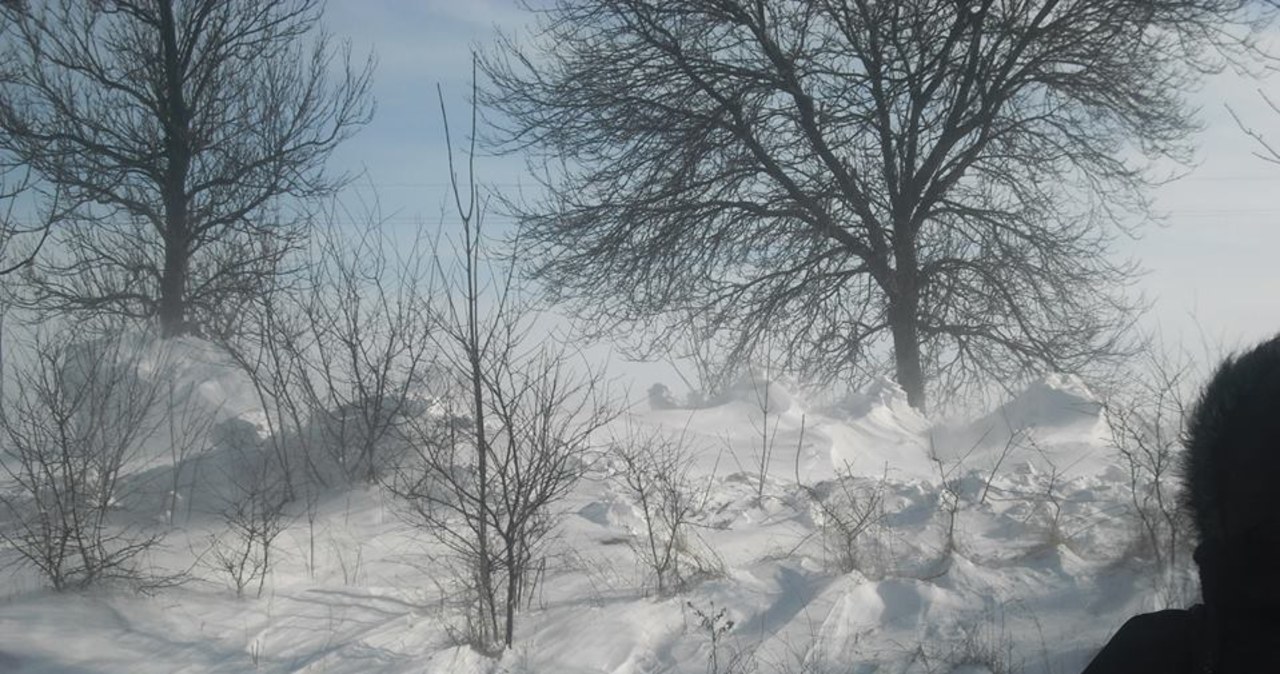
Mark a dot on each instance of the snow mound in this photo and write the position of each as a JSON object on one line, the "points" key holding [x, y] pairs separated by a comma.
{"points": [[1056, 400], [1055, 423], [879, 433], [870, 434], [884, 398]]}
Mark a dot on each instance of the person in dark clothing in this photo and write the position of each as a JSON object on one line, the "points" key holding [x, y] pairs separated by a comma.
{"points": [[1232, 477]]}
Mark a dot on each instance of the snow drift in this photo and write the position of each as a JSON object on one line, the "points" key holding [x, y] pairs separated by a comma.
{"points": [[999, 542]]}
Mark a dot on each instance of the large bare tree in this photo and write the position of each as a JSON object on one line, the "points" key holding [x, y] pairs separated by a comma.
{"points": [[926, 186], [183, 132]]}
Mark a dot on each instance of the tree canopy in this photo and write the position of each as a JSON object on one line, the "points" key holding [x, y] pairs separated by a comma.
{"points": [[930, 187], [170, 132]]}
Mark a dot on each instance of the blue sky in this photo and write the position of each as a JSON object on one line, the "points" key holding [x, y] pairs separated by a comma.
{"points": [[1212, 266], [419, 44]]}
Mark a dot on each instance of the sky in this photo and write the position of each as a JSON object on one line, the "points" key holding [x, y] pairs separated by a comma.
{"points": [[419, 45], [1213, 275]]}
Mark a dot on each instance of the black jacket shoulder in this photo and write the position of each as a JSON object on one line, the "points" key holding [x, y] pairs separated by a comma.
{"points": [[1164, 642]]}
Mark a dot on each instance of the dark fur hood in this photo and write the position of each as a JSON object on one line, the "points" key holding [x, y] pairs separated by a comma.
{"points": [[1232, 475], [1232, 469]]}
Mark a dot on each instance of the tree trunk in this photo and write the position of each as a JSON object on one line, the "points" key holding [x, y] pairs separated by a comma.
{"points": [[904, 308], [474, 348], [172, 309], [514, 572], [904, 324]]}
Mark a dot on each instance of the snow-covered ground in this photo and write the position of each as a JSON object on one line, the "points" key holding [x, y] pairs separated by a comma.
{"points": [[1039, 570]]}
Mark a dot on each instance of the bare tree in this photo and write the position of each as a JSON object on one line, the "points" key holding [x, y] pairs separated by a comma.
{"points": [[927, 186], [508, 436], [511, 431], [182, 133], [73, 428]]}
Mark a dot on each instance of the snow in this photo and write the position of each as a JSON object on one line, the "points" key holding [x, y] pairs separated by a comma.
{"points": [[1057, 415], [1040, 576]]}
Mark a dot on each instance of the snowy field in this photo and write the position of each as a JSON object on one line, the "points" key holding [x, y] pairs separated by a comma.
{"points": [[1005, 544]]}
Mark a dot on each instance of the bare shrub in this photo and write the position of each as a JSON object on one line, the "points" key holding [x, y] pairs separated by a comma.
{"points": [[368, 317], [73, 428], [654, 472], [189, 424], [978, 643], [951, 485], [267, 346], [333, 358], [1145, 421], [762, 388], [849, 508], [350, 557], [254, 516], [1057, 526], [483, 481], [715, 626], [984, 644]]}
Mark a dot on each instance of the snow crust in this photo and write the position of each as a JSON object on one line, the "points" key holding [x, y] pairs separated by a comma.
{"points": [[1039, 574]]}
